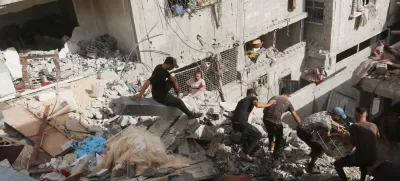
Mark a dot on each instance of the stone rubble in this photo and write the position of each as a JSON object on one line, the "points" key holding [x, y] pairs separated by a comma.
{"points": [[101, 117]]}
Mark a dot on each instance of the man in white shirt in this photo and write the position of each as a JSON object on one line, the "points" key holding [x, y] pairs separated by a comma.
{"points": [[196, 86]]}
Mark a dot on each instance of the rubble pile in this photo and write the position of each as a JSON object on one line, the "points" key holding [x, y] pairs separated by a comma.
{"points": [[97, 55], [91, 128]]}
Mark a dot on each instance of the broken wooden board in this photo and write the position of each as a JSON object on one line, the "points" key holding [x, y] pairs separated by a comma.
{"points": [[202, 170], [214, 145], [176, 134], [27, 124], [162, 124]]}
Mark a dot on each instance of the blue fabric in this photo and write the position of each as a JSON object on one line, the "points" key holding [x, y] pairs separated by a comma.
{"points": [[89, 145]]}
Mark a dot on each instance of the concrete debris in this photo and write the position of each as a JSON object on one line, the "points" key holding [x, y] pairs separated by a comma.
{"points": [[5, 81], [13, 63], [179, 132]]}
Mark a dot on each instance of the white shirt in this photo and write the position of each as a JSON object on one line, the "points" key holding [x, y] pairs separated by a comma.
{"points": [[194, 87]]}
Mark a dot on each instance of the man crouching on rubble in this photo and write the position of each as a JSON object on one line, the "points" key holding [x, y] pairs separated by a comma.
{"points": [[363, 136], [162, 81], [314, 127], [240, 120]]}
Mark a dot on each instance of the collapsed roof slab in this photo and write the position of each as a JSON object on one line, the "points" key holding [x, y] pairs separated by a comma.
{"points": [[379, 87], [145, 107]]}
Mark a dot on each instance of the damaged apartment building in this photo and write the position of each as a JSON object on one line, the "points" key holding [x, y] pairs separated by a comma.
{"points": [[298, 39], [311, 47]]}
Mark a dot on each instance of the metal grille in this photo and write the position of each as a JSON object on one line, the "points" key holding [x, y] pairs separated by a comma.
{"points": [[210, 71], [229, 62], [184, 75], [292, 85]]}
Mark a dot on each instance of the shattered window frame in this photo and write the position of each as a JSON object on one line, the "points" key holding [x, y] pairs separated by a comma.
{"points": [[315, 11]]}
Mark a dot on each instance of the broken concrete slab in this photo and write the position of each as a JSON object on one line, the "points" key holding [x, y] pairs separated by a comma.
{"points": [[176, 134], [192, 150], [205, 133], [13, 63], [7, 86], [46, 95], [162, 124], [215, 145], [202, 170], [144, 107]]}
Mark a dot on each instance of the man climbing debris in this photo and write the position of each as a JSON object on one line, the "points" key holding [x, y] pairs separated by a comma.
{"points": [[363, 136], [273, 120], [313, 127], [162, 81], [240, 120]]}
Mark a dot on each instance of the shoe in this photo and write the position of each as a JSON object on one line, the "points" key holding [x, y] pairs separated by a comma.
{"points": [[271, 146], [312, 170], [195, 115], [245, 156]]}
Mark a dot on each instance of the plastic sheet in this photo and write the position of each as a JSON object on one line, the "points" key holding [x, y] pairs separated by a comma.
{"points": [[89, 145]]}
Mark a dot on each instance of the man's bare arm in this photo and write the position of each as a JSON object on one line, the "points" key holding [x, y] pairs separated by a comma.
{"points": [[144, 88], [296, 117], [339, 127], [203, 87], [262, 105], [176, 85]]}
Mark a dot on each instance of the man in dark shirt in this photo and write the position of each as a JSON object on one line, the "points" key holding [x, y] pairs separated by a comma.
{"points": [[240, 120], [162, 81], [273, 120], [363, 135]]}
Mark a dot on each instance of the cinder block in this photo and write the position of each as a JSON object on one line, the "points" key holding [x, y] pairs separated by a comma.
{"points": [[381, 68], [144, 107]]}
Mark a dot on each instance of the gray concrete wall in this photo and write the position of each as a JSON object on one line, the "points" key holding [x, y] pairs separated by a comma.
{"points": [[241, 21], [97, 17], [290, 62], [117, 16], [314, 98], [321, 33], [345, 35]]}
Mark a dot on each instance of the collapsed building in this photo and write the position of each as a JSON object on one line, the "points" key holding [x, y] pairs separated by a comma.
{"points": [[312, 47]]}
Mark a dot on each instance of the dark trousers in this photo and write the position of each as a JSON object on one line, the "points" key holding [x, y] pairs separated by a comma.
{"points": [[275, 132], [251, 132], [308, 138], [350, 161], [170, 100]]}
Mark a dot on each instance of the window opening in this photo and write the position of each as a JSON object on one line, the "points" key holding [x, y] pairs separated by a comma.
{"points": [[315, 12]]}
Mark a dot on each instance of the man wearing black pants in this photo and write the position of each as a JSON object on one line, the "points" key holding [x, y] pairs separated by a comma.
{"points": [[240, 120], [363, 135], [162, 81], [273, 120]]}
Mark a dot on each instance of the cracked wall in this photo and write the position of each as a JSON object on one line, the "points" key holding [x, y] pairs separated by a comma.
{"points": [[196, 36]]}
